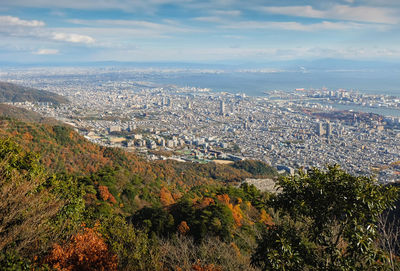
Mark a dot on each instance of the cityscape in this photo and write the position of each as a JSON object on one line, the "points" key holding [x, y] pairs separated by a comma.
{"points": [[289, 130], [199, 135]]}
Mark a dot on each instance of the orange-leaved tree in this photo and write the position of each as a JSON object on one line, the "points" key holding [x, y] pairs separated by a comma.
{"points": [[183, 227], [85, 251]]}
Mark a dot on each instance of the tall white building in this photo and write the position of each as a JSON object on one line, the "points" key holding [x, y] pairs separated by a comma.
{"points": [[320, 129], [222, 107]]}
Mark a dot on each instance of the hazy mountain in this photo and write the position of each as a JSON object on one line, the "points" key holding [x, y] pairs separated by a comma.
{"points": [[322, 63], [12, 112], [16, 93]]}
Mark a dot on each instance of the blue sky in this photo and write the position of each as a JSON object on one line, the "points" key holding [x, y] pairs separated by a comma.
{"points": [[217, 31]]}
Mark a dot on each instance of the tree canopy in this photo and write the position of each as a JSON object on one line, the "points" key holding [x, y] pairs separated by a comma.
{"points": [[328, 221]]}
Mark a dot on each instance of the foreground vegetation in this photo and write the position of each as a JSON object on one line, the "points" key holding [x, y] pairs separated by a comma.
{"points": [[67, 204]]}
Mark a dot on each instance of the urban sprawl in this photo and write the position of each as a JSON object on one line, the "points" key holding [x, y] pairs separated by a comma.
{"points": [[288, 130]]}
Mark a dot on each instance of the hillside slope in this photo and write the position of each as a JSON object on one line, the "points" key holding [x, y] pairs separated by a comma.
{"points": [[15, 93], [13, 112], [134, 181], [80, 206]]}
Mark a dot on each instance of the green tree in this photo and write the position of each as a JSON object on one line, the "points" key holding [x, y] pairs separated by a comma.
{"points": [[134, 249], [257, 168], [26, 208], [330, 223]]}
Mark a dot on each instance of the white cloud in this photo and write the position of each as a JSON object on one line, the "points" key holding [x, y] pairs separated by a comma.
{"points": [[119, 36], [15, 27], [339, 12], [58, 13], [167, 26], [125, 32], [148, 6], [228, 12], [6, 21], [300, 52], [382, 3], [292, 25], [209, 19], [46, 52], [74, 38], [272, 53], [295, 26]]}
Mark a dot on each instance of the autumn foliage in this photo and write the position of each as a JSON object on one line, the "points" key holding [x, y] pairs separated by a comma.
{"points": [[105, 194], [205, 267], [183, 227], [266, 218], [206, 201], [85, 251], [166, 197], [236, 211], [95, 183]]}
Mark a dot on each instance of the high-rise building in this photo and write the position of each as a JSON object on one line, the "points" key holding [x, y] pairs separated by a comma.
{"points": [[222, 107], [320, 129], [328, 129], [131, 127]]}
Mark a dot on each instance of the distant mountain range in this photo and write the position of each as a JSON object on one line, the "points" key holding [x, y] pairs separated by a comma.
{"points": [[15, 93], [325, 64]]}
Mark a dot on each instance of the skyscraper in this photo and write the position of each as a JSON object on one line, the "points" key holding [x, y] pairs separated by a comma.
{"points": [[320, 129], [328, 129], [222, 108]]}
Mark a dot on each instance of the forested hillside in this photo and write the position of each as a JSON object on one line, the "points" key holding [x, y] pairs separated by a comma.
{"points": [[68, 204], [15, 93], [61, 149], [12, 112]]}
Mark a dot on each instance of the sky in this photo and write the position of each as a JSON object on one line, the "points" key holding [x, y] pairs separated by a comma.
{"points": [[215, 31]]}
